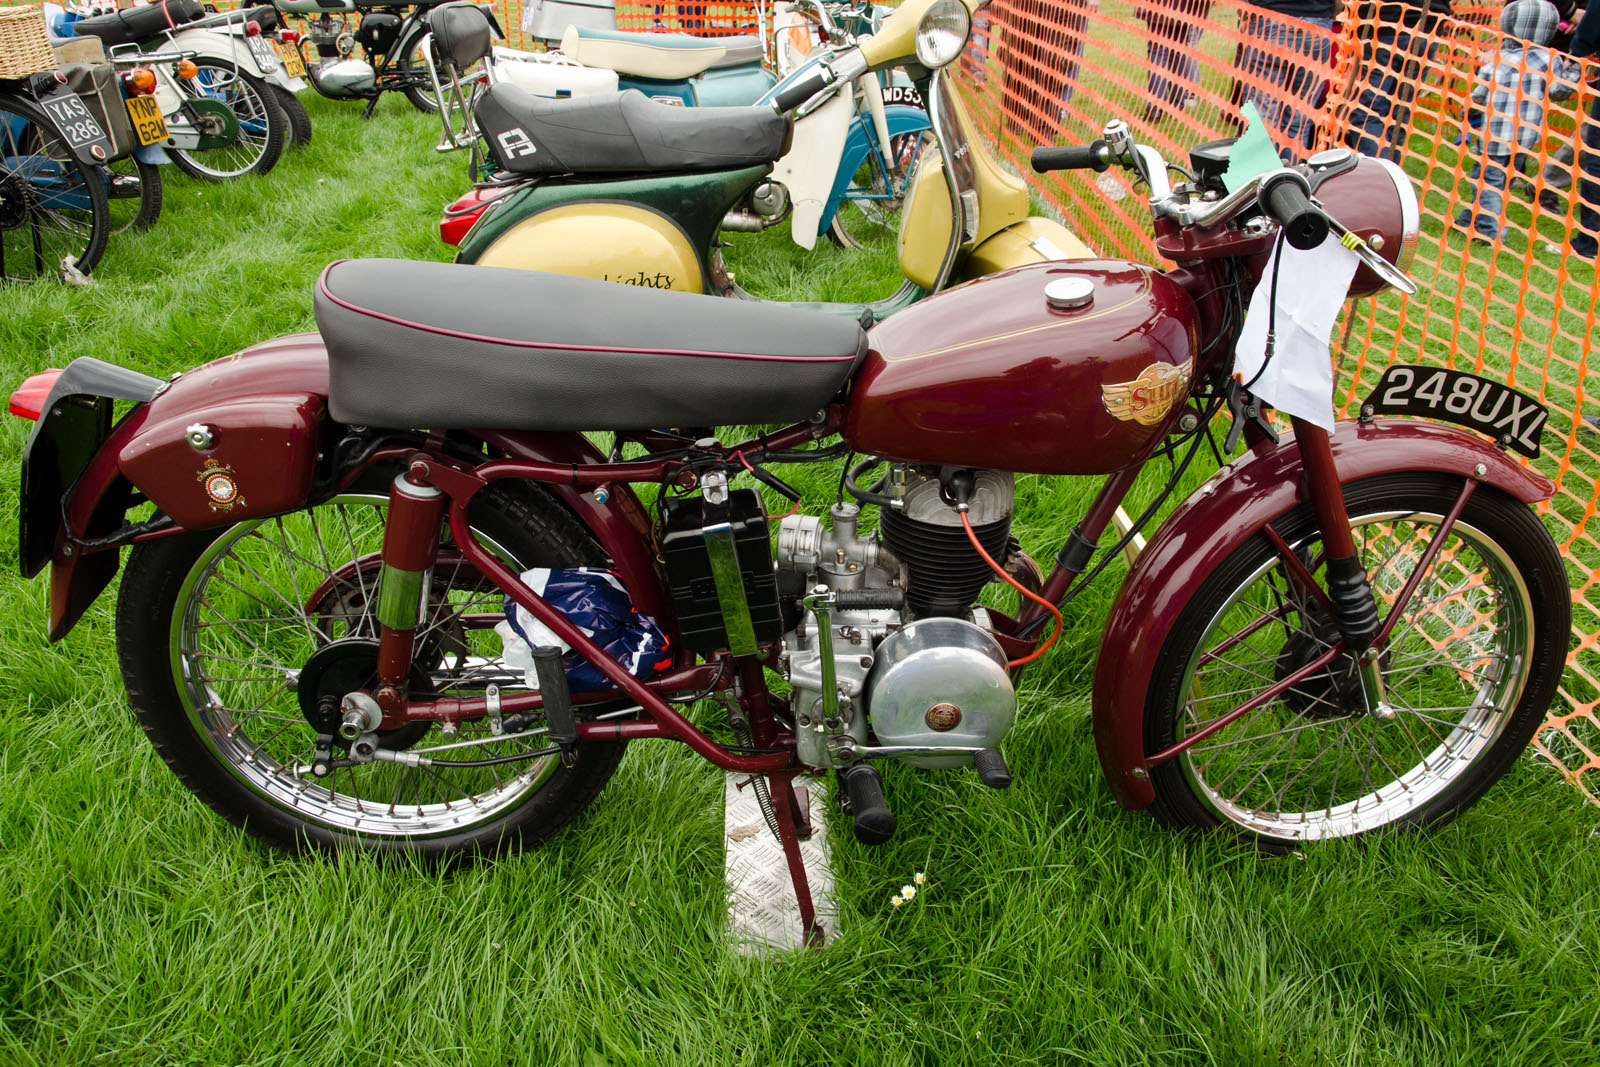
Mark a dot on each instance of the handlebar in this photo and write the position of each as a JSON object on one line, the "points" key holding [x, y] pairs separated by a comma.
{"points": [[1282, 195], [1095, 156], [804, 89]]}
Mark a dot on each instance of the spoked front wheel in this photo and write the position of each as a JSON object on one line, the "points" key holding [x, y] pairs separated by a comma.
{"points": [[1470, 669], [868, 215], [230, 642]]}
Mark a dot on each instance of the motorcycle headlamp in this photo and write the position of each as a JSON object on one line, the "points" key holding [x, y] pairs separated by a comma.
{"points": [[942, 33]]}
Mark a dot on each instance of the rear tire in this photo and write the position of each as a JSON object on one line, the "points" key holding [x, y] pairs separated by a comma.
{"points": [[1470, 671], [294, 112], [135, 194], [262, 125], [215, 631], [52, 206]]}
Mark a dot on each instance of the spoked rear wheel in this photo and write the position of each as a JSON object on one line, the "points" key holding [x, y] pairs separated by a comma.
{"points": [[262, 125], [1470, 670], [53, 213], [219, 636]]}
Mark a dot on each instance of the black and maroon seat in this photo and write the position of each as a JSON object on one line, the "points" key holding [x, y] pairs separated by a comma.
{"points": [[136, 24], [452, 346]]}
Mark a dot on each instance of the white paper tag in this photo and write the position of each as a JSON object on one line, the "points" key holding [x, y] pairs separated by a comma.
{"points": [[1312, 285]]}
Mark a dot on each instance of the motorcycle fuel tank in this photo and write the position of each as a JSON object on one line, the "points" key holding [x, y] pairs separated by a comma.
{"points": [[1074, 367]]}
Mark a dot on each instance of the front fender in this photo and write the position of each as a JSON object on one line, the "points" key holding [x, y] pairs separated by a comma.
{"points": [[902, 118], [1232, 506], [232, 396]]}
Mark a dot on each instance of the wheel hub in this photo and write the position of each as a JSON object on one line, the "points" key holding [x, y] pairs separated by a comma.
{"points": [[1332, 693], [351, 666], [14, 200]]}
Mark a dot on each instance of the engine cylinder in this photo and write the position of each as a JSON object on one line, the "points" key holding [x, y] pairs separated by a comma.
{"points": [[945, 574]]}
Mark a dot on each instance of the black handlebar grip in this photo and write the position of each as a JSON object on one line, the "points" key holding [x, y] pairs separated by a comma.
{"points": [[1284, 199], [1071, 157], [857, 599], [873, 822], [792, 97]]}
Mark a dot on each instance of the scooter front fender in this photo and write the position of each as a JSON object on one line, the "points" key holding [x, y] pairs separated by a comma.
{"points": [[1231, 507], [263, 413], [901, 118]]}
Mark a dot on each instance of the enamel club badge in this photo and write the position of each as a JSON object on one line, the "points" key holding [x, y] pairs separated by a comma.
{"points": [[222, 491]]}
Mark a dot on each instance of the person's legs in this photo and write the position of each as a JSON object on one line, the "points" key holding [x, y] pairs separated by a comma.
{"points": [[1312, 50], [1489, 180], [1585, 238]]}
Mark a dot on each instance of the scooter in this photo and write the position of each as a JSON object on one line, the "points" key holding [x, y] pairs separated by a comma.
{"points": [[374, 572], [854, 158], [645, 200], [234, 62]]}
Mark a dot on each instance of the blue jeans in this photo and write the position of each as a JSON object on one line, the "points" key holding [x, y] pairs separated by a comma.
{"points": [[1491, 205], [1180, 58], [1381, 119], [1585, 239], [1292, 84]]}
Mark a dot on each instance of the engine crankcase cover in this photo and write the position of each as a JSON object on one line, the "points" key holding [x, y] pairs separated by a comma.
{"points": [[347, 77], [940, 681]]}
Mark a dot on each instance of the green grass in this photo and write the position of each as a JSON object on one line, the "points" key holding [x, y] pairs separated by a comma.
{"points": [[140, 929]]}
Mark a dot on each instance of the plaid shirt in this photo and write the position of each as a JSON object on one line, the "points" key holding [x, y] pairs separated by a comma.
{"points": [[1514, 85]]}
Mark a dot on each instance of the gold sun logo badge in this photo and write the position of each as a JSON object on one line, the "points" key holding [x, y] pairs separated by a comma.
{"points": [[1147, 399]]}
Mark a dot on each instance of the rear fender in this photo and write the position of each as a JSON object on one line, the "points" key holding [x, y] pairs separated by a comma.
{"points": [[1231, 507], [220, 46], [264, 412]]}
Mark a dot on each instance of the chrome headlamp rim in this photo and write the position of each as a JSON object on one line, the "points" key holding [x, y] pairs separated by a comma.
{"points": [[1410, 216], [942, 33]]}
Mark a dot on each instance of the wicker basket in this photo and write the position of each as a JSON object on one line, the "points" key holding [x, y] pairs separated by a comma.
{"points": [[24, 44]]}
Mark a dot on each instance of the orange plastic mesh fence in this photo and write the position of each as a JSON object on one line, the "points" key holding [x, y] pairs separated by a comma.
{"points": [[1519, 305]]}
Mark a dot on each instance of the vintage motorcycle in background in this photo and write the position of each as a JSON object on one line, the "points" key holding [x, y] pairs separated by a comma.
{"points": [[338, 622], [846, 167], [646, 202]]}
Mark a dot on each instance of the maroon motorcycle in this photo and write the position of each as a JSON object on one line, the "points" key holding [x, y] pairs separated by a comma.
{"points": [[339, 623]]}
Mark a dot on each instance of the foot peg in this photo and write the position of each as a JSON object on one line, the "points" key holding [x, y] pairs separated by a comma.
{"points": [[863, 790], [991, 768]]}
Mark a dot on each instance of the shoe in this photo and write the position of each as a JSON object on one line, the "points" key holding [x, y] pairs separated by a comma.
{"points": [[1523, 188], [1591, 424], [1550, 200]]}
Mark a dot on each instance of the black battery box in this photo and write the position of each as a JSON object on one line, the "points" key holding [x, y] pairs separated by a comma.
{"points": [[689, 571]]}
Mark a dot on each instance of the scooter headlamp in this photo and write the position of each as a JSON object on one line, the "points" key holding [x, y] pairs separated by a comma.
{"points": [[942, 33]]}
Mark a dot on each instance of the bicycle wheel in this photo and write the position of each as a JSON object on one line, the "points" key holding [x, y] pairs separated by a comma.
{"points": [[419, 87], [295, 112], [262, 125], [868, 216], [53, 214], [133, 194], [1470, 670]]}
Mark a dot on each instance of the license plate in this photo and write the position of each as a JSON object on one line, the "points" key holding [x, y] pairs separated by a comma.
{"points": [[72, 115], [265, 57], [1513, 418], [293, 65], [902, 94], [148, 125]]}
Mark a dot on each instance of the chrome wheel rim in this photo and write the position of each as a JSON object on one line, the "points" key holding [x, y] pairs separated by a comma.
{"points": [[240, 633], [1305, 766]]}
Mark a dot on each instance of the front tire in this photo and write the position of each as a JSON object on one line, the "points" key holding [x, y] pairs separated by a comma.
{"points": [[1470, 671], [134, 194], [214, 634], [294, 112]]}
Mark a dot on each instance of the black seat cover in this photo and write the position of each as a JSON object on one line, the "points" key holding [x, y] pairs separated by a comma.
{"points": [[139, 23], [461, 32], [624, 133], [453, 346]]}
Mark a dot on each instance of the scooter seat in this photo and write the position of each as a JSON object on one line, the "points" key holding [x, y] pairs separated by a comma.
{"points": [[139, 23], [452, 346], [265, 16], [624, 133], [662, 56]]}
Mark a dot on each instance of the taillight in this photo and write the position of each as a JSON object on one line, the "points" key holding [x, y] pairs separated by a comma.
{"points": [[28, 401], [187, 69], [252, 28], [289, 36], [140, 81], [462, 214]]}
